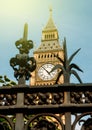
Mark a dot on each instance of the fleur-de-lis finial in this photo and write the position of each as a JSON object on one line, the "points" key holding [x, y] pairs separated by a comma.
{"points": [[22, 63]]}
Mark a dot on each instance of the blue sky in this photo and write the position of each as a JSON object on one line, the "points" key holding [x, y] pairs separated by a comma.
{"points": [[73, 19]]}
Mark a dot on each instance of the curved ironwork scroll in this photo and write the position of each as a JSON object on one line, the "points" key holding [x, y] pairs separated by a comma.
{"points": [[6, 123], [87, 125], [84, 120], [45, 121], [23, 66]]}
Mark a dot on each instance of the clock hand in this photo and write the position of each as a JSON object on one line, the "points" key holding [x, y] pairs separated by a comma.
{"points": [[46, 70]]}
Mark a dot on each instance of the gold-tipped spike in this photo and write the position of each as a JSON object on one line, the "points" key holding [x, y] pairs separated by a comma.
{"points": [[25, 34]]}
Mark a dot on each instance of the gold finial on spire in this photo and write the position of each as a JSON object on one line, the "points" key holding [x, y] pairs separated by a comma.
{"points": [[50, 9]]}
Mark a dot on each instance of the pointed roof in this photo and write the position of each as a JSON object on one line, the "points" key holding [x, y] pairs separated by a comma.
{"points": [[50, 24], [49, 44]]}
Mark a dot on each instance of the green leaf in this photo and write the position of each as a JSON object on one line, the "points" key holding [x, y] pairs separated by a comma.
{"points": [[75, 67], [61, 60], [12, 83], [7, 84], [1, 81], [76, 75], [72, 56], [6, 78], [58, 66], [60, 73], [65, 50]]}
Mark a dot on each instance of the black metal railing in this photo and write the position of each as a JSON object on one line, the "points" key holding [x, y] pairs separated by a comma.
{"points": [[32, 100]]}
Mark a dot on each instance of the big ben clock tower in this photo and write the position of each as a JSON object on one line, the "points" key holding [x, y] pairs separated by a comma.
{"points": [[45, 55]]}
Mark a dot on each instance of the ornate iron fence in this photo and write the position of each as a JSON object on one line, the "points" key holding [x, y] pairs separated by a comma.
{"points": [[24, 107]]}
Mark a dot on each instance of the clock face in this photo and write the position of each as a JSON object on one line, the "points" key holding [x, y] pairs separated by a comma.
{"points": [[44, 72]]}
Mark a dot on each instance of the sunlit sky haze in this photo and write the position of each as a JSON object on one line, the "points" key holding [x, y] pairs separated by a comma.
{"points": [[73, 19]]}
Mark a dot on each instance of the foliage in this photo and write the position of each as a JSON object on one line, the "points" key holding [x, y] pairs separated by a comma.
{"points": [[67, 68], [4, 125], [5, 81]]}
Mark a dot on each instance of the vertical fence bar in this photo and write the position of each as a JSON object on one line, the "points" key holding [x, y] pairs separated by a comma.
{"points": [[19, 125], [67, 114]]}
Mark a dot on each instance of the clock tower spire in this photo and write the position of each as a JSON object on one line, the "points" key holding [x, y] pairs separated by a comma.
{"points": [[45, 55], [50, 12]]}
